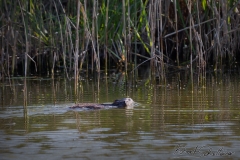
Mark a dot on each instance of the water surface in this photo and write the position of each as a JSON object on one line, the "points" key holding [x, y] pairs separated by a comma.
{"points": [[171, 121]]}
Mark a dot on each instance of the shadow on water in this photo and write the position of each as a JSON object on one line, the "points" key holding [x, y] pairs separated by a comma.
{"points": [[172, 121]]}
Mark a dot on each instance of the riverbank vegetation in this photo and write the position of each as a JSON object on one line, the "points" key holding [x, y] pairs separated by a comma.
{"points": [[46, 36]]}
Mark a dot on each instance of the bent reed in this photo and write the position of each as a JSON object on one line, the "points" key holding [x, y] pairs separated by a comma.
{"points": [[42, 36]]}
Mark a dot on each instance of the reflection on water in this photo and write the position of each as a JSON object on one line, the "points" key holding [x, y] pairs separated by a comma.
{"points": [[171, 121]]}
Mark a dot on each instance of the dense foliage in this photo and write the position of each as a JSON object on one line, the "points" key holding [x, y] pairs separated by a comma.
{"points": [[42, 36]]}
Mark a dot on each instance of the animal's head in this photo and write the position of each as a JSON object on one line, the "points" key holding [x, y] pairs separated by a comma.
{"points": [[128, 101], [125, 102]]}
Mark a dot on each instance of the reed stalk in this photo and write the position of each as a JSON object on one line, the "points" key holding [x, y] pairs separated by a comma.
{"points": [[201, 49], [97, 46], [94, 38], [106, 38], [25, 24], [53, 34], [152, 7], [135, 37], [124, 52], [2, 24], [86, 37], [76, 53], [160, 38], [63, 42], [189, 4], [129, 34], [176, 28]]}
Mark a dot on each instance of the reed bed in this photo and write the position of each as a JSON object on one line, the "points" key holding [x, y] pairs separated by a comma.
{"points": [[42, 36]]}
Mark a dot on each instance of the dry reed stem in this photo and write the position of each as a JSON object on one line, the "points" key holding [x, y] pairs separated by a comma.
{"points": [[216, 25], [106, 38], [176, 28], [76, 52]]}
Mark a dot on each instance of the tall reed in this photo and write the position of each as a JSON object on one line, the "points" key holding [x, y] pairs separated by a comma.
{"points": [[73, 35], [76, 52]]}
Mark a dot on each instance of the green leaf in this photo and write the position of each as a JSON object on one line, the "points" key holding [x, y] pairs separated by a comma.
{"points": [[204, 4]]}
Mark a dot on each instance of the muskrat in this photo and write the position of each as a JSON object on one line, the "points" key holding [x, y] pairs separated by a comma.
{"points": [[120, 103]]}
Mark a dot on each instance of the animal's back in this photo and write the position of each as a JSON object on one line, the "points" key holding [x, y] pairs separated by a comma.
{"points": [[121, 103]]}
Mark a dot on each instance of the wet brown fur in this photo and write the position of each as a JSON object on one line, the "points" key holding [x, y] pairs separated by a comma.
{"points": [[121, 103]]}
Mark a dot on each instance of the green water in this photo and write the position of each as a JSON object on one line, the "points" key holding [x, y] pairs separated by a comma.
{"points": [[171, 121]]}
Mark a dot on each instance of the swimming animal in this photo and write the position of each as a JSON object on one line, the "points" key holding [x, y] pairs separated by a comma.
{"points": [[120, 103]]}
